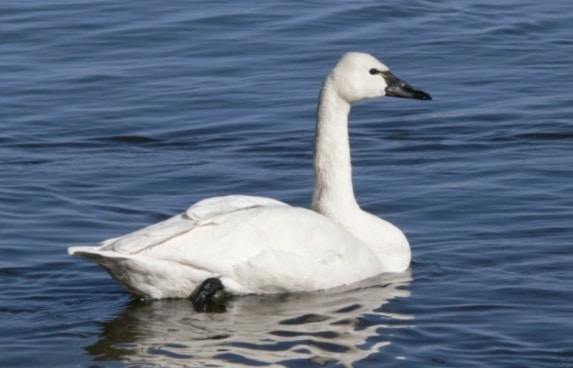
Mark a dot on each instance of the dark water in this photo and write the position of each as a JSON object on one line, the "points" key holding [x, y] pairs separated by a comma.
{"points": [[114, 115]]}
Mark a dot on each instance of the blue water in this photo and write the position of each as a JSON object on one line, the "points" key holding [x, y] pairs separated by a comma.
{"points": [[115, 115]]}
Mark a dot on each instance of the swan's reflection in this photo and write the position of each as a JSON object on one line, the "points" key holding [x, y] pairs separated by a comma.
{"points": [[343, 325]]}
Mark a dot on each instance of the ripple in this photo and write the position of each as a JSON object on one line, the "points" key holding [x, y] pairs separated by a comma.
{"points": [[240, 336], [128, 139]]}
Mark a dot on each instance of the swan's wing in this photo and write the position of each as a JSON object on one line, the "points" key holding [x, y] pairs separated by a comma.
{"points": [[255, 245], [209, 208], [202, 213]]}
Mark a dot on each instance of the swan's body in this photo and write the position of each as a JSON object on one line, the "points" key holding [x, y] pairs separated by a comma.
{"points": [[260, 245]]}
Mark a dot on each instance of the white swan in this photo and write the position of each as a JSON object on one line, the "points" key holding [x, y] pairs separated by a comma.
{"points": [[260, 245]]}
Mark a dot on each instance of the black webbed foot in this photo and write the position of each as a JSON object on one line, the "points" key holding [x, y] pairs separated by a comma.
{"points": [[208, 297]]}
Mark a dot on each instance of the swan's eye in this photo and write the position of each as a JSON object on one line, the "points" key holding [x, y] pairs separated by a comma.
{"points": [[374, 71]]}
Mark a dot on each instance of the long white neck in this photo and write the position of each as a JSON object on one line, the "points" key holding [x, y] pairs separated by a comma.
{"points": [[333, 191], [333, 194]]}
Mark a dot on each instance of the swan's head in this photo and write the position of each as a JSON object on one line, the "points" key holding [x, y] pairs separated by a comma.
{"points": [[358, 76]]}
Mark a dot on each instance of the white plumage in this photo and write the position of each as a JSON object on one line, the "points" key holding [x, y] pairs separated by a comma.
{"points": [[261, 245]]}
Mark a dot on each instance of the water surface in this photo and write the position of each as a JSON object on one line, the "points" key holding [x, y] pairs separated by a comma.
{"points": [[118, 115]]}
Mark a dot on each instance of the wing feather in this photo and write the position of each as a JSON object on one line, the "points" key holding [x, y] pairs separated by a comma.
{"points": [[202, 213]]}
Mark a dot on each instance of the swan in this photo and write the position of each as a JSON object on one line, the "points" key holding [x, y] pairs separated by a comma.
{"points": [[256, 245]]}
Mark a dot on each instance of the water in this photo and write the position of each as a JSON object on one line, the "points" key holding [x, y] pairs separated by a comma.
{"points": [[115, 115]]}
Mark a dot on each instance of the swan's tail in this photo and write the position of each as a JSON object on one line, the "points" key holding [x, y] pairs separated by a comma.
{"points": [[145, 277], [95, 253]]}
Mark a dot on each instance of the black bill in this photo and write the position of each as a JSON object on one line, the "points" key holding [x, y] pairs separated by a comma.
{"points": [[399, 88]]}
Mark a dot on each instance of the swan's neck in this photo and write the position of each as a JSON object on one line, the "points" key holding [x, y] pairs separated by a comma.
{"points": [[333, 192]]}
